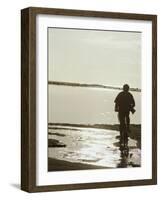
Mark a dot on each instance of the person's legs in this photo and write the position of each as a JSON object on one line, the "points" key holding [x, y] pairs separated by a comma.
{"points": [[122, 124], [127, 120], [127, 129]]}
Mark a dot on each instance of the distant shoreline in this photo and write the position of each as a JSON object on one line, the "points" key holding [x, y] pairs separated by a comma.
{"points": [[90, 85]]}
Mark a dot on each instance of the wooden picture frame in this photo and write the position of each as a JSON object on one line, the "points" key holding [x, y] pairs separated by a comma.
{"points": [[28, 98]]}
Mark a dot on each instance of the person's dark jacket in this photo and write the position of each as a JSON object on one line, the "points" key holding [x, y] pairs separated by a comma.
{"points": [[124, 102]]}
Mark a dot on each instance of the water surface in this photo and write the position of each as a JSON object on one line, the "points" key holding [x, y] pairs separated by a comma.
{"points": [[76, 105], [93, 146]]}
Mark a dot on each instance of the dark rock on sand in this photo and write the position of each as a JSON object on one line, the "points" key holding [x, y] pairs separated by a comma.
{"points": [[57, 134], [55, 143]]}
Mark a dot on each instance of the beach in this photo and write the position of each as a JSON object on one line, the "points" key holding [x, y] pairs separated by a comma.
{"points": [[80, 146], [61, 165], [83, 131]]}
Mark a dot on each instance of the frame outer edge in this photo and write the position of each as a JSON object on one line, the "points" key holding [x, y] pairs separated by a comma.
{"points": [[32, 99], [91, 13], [28, 101], [154, 99], [24, 99]]}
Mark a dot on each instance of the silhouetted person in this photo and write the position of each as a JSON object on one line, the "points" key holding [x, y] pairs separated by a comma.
{"points": [[124, 103]]}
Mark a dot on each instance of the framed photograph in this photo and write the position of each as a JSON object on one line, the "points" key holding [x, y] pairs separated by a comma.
{"points": [[88, 99]]}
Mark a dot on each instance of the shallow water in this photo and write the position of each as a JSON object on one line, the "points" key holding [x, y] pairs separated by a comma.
{"points": [[93, 146], [79, 105]]}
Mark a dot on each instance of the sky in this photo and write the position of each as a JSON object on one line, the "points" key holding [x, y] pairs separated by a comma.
{"points": [[94, 57]]}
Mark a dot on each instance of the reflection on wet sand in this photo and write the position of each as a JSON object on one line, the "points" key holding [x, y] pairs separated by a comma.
{"points": [[91, 147]]}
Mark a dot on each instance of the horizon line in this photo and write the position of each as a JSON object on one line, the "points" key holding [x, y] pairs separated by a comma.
{"points": [[90, 85]]}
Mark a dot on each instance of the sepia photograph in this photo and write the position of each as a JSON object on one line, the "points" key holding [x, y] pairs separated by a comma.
{"points": [[94, 99]]}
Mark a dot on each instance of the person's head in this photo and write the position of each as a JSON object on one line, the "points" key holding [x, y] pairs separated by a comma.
{"points": [[126, 88]]}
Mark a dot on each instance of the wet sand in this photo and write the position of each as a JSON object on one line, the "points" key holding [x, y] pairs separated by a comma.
{"points": [[135, 129], [78, 147], [61, 165]]}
